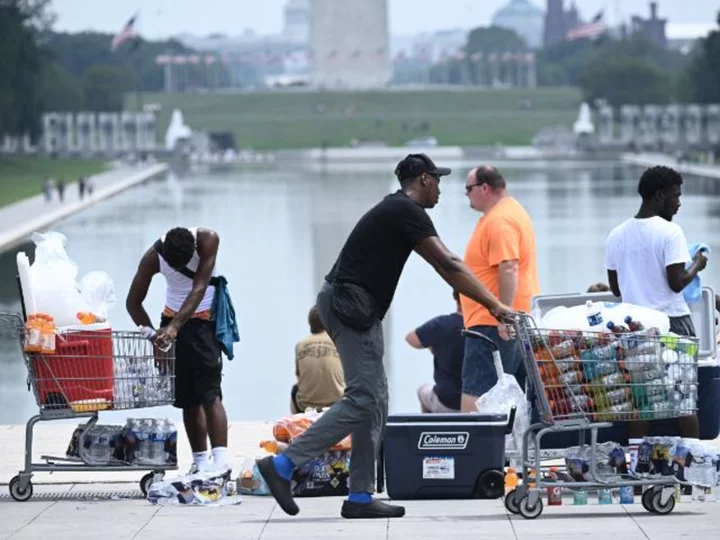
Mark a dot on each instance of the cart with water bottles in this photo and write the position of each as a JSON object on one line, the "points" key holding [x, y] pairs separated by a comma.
{"points": [[85, 371], [582, 382]]}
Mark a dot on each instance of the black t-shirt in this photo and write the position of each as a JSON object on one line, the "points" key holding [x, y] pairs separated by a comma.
{"points": [[444, 335], [378, 247]]}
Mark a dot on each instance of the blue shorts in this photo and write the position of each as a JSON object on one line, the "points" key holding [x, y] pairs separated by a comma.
{"points": [[478, 373]]}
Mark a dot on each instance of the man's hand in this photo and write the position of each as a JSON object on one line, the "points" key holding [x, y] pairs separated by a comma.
{"points": [[506, 331], [503, 313], [700, 260], [165, 336]]}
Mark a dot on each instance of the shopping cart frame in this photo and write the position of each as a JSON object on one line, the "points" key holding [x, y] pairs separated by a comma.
{"points": [[20, 486], [526, 499]]}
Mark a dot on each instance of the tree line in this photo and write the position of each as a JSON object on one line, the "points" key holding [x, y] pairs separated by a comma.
{"points": [[42, 70], [624, 70]]}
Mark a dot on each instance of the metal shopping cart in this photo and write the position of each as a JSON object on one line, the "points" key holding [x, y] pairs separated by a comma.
{"points": [[89, 372], [584, 381]]}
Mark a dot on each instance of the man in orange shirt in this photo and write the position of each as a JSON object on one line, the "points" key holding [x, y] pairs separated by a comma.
{"points": [[502, 255]]}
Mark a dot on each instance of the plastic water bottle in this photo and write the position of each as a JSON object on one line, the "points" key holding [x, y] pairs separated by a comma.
{"points": [[144, 443], [627, 495], [604, 496], [594, 315], [157, 442]]}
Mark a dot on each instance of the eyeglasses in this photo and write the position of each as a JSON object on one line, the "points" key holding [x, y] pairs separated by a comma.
{"points": [[469, 188]]}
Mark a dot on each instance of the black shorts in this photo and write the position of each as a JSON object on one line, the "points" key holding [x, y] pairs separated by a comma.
{"points": [[198, 364]]}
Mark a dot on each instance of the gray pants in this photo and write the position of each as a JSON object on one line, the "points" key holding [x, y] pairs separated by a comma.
{"points": [[363, 410]]}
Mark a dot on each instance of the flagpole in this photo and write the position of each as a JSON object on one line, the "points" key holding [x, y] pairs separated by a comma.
{"points": [[138, 82]]}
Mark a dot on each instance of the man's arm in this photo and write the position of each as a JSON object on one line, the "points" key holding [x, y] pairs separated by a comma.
{"points": [[508, 279], [456, 273], [413, 340], [613, 280], [207, 247], [679, 278], [148, 267]]}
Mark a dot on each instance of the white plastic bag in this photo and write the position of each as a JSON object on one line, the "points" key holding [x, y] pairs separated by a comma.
{"points": [[53, 276], [501, 398], [98, 292]]}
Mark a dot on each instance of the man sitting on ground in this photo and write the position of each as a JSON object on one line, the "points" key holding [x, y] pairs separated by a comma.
{"points": [[443, 336], [320, 378]]}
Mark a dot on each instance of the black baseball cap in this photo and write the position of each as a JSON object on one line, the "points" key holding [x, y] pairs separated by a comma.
{"points": [[416, 164]]}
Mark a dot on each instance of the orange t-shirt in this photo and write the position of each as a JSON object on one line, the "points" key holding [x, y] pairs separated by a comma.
{"points": [[505, 233]]}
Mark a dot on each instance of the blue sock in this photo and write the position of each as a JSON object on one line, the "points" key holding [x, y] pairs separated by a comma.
{"points": [[360, 498], [283, 466]]}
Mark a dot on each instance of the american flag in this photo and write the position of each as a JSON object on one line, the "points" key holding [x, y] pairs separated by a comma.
{"points": [[127, 32], [594, 28]]}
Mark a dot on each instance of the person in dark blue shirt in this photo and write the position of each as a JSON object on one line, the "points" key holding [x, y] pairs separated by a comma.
{"points": [[443, 336]]}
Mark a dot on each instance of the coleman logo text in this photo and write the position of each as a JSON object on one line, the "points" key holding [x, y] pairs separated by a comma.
{"points": [[443, 440]]}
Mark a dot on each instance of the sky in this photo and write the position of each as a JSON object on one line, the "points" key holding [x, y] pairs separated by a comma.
{"points": [[164, 18]]}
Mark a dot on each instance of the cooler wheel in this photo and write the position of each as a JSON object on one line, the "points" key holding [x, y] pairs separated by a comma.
{"points": [[490, 484]]}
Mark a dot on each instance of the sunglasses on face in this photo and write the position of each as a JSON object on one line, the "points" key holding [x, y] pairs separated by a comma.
{"points": [[469, 188]]}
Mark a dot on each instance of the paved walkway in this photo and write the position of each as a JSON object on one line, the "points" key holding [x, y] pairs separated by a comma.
{"points": [[19, 220], [78, 509]]}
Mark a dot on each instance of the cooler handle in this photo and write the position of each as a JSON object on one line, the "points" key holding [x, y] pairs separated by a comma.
{"points": [[511, 420]]}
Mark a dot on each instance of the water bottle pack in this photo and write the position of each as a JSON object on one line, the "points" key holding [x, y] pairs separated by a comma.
{"points": [[611, 462], [689, 460], [142, 441], [150, 441]]}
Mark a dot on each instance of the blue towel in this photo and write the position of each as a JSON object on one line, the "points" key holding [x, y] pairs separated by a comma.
{"points": [[693, 291], [226, 327]]}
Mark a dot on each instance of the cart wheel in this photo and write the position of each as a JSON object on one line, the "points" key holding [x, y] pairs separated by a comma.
{"points": [[510, 503], [647, 500], [659, 507], [490, 484], [530, 512], [20, 495], [146, 482]]}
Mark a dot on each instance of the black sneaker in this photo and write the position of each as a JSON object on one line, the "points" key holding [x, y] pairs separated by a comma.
{"points": [[278, 486], [373, 510]]}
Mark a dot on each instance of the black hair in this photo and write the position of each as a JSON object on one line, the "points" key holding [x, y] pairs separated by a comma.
{"points": [[490, 176], [316, 325], [657, 179], [178, 247], [456, 295]]}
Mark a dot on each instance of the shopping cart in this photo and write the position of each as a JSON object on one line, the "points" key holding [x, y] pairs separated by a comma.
{"points": [[584, 381], [89, 372]]}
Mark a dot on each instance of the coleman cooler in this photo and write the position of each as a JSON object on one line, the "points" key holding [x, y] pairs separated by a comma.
{"points": [[444, 456]]}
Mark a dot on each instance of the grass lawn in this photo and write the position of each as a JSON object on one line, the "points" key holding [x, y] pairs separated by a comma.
{"points": [[301, 119], [22, 176]]}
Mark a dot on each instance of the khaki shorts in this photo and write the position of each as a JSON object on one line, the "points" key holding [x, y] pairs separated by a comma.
{"points": [[430, 402]]}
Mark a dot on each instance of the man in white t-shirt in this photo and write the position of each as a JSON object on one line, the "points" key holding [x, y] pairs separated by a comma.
{"points": [[646, 255], [646, 258]]}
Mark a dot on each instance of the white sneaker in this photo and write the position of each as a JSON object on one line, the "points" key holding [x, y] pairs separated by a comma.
{"points": [[194, 469]]}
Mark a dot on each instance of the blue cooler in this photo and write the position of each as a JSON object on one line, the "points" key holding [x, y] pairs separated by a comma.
{"points": [[444, 456]]}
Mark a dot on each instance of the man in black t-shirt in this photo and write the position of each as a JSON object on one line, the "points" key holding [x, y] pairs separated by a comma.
{"points": [[353, 301], [443, 336]]}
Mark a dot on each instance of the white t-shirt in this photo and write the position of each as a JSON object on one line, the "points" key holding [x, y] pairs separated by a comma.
{"points": [[640, 250]]}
